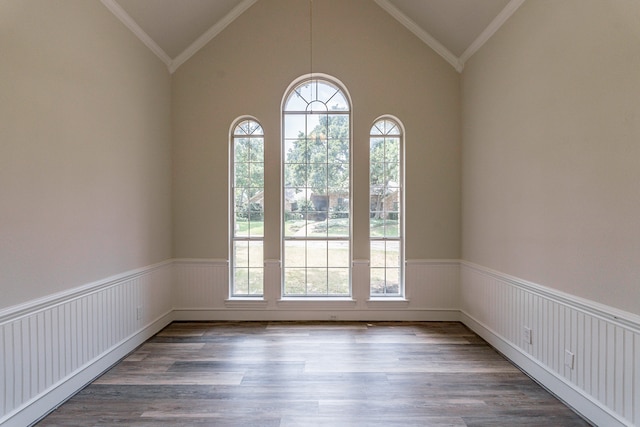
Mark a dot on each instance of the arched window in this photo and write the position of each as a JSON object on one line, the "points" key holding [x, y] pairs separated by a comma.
{"points": [[247, 203], [386, 207], [316, 196]]}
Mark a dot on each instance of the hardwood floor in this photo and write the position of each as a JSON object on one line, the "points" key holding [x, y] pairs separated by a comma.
{"points": [[314, 374]]}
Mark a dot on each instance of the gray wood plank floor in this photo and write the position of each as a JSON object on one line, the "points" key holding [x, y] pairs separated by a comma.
{"points": [[314, 374]]}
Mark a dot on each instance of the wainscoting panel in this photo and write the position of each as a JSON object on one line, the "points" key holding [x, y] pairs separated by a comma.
{"points": [[57, 340], [200, 283], [591, 352], [433, 283], [201, 292]]}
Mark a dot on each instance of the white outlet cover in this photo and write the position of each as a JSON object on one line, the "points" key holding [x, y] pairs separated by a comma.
{"points": [[568, 359]]}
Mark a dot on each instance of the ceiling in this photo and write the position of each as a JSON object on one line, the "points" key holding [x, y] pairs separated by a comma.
{"points": [[175, 30]]}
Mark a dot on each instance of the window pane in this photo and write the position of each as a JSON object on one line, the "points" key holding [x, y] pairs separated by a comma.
{"points": [[377, 280], [241, 174], [317, 254], [305, 91], [338, 279], [325, 91], [377, 254], [295, 253], [295, 175], [392, 256], [241, 254], [256, 171], [256, 280], [256, 151], [339, 254], [317, 150], [339, 153], [295, 103], [241, 150], [295, 281], [391, 227], [295, 151], [338, 103], [294, 126], [392, 285], [392, 174], [240, 281], [317, 281], [255, 254]]}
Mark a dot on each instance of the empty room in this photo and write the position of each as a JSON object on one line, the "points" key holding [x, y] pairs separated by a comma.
{"points": [[320, 212]]}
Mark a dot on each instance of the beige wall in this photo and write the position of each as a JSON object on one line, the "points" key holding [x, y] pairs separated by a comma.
{"points": [[84, 149], [246, 70], [551, 152]]}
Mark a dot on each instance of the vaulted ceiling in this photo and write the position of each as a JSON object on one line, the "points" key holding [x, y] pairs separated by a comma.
{"points": [[175, 30]]}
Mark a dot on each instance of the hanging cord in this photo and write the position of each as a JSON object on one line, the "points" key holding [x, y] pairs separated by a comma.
{"points": [[311, 38]]}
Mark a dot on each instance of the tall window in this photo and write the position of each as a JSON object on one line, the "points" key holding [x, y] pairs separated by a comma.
{"points": [[316, 195], [386, 202], [247, 219]]}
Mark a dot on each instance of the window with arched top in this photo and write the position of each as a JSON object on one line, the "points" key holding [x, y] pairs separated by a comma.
{"points": [[386, 207], [316, 196], [247, 203]]}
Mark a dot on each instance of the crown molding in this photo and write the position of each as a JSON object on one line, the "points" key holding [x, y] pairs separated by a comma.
{"points": [[421, 34], [210, 34], [491, 29], [128, 21], [200, 42]]}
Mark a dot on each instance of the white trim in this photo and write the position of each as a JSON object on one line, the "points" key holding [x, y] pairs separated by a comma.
{"points": [[209, 261], [491, 29], [421, 34], [132, 25], [432, 262], [209, 34], [592, 308], [562, 389]]}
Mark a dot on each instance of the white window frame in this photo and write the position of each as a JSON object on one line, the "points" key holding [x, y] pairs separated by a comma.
{"points": [[283, 239], [401, 211], [233, 290]]}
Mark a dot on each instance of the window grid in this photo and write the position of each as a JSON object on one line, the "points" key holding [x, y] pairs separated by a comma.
{"points": [[385, 214], [316, 196], [247, 216]]}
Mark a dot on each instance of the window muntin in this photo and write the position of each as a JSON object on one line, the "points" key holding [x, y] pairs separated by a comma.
{"points": [[247, 217], [316, 194], [385, 213]]}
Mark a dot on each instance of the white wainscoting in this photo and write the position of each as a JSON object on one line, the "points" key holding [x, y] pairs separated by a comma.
{"points": [[50, 348], [604, 383], [201, 292]]}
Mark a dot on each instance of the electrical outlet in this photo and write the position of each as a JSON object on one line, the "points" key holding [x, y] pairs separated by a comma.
{"points": [[569, 359], [139, 313], [333, 317], [526, 335]]}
